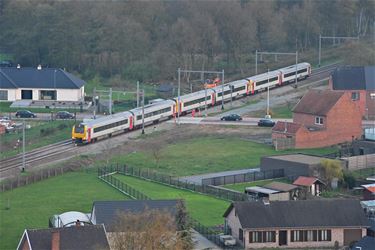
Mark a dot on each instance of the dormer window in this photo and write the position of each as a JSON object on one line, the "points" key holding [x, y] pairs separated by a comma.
{"points": [[319, 120]]}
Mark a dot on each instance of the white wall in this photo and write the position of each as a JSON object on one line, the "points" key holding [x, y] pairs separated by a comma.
{"points": [[62, 94], [12, 94]]}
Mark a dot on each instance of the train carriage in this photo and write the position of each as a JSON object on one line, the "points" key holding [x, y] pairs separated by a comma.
{"points": [[90, 131], [263, 81], [232, 90], [288, 74], [154, 113], [195, 100]]}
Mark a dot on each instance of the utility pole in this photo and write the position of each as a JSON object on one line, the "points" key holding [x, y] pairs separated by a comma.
{"points": [[332, 37], [110, 101], [222, 90], [23, 146], [94, 100], [268, 93], [137, 94], [205, 101], [296, 69], [143, 111], [256, 62], [178, 99]]}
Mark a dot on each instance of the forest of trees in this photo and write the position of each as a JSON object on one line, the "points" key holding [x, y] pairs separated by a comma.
{"points": [[149, 40]]}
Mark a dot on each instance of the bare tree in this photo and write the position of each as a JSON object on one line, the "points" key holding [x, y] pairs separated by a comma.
{"points": [[150, 229]]}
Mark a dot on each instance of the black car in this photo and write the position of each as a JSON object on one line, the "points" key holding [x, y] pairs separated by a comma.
{"points": [[25, 114], [64, 115], [232, 117], [266, 123]]}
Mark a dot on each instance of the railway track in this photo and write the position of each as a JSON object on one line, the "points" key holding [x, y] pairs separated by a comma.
{"points": [[56, 149], [36, 155]]}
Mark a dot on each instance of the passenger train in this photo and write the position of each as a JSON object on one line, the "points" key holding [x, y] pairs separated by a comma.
{"points": [[91, 131]]}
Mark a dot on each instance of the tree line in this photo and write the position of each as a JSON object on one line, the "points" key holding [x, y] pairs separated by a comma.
{"points": [[149, 40]]}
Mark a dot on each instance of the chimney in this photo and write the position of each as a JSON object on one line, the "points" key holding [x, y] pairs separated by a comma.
{"points": [[55, 241], [18, 66], [39, 67]]}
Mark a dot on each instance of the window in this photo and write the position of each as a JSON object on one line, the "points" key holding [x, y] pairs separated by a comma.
{"points": [[266, 81], [319, 120], [240, 234], [112, 125], [262, 236], [4, 95], [355, 96], [157, 112], [372, 96], [294, 72], [199, 100], [310, 235], [48, 95]]}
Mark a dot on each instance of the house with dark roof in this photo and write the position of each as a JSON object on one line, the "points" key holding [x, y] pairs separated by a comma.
{"points": [[274, 191], [17, 83], [107, 212], [296, 224], [321, 118], [366, 243], [66, 238], [359, 83]]}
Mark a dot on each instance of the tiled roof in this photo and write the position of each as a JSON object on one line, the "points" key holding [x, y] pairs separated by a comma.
{"points": [[305, 181], [300, 214], [11, 78], [318, 102], [370, 187], [286, 127], [284, 187], [82, 237]]}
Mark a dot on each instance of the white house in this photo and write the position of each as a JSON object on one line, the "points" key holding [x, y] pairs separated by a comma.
{"points": [[17, 83]]}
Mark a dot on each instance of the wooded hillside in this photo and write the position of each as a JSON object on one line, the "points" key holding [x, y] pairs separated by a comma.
{"points": [[149, 40]]}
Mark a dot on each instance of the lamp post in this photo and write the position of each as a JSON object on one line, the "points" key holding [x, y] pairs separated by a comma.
{"points": [[268, 93], [23, 146], [222, 90], [178, 99], [143, 111]]}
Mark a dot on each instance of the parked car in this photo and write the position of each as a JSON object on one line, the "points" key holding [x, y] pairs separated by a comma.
{"points": [[231, 117], [266, 123], [25, 114], [64, 115], [228, 240]]}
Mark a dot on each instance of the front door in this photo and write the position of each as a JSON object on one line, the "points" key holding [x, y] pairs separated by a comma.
{"points": [[282, 238], [26, 94]]}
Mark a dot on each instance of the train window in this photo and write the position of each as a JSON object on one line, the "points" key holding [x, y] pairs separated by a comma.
{"points": [[112, 125], [239, 88], [197, 101], [79, 129], [266, 81]]}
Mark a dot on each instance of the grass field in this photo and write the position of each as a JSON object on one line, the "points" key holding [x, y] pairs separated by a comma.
{"points": [[205, 155], [241, 186], [32, 205], [207, 210], [40, 134], [279, 112]]}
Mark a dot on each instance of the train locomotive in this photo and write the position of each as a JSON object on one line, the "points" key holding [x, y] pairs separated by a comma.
{"points": [[91, 131]]}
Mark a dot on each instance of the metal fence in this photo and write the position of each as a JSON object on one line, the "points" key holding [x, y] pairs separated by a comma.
{"points": [[245, 177], [35, 176], [176, 183], [106, 174]]}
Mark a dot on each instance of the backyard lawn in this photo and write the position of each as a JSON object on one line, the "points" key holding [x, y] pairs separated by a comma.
{"points": [[206, 209], [31, 206], [205, 155]]}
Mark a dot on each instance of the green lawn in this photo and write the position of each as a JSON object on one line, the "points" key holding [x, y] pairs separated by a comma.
{"points": [[207, 210], [205, 155], [40, 134], [32, 205], [279, 113], [241, 186]]}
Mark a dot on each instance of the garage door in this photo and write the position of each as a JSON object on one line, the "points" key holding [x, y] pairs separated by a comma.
{"points": [[351, 235], [27, 94]]}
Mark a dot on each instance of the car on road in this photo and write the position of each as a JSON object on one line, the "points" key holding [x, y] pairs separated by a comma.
{"points": [[64, 115], [25, 114], [266, 123], [228, 240], [231, 117]]}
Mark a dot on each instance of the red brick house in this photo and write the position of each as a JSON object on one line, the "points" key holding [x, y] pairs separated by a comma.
{"points": [[321, 118], [359, 83], [301, 224]]}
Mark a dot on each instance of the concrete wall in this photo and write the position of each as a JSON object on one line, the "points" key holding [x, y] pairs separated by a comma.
{"points": [[234, 223], [290, 168]]}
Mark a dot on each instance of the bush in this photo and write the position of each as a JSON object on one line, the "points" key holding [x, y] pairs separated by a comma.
{"points": [[47, 131], [62, 126], [349, 179]]}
